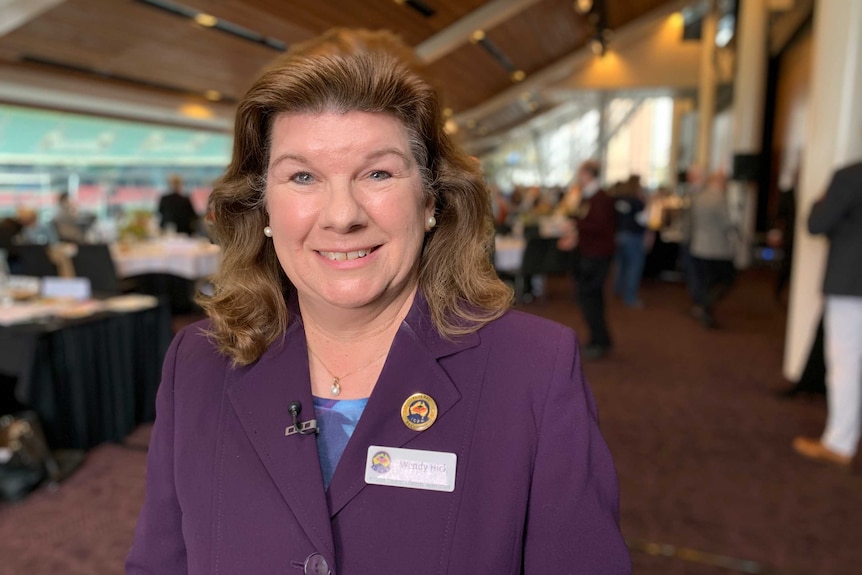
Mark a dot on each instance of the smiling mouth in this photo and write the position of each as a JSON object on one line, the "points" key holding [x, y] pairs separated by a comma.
{"points": [[347, 256]]}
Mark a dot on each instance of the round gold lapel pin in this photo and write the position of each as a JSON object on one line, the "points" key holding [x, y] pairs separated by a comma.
{"points": [[419, 412]]}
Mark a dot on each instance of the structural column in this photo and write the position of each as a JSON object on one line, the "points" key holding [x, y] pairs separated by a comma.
{"points": [[834, 139], [673, 156], [706, 88], [748, 94]]}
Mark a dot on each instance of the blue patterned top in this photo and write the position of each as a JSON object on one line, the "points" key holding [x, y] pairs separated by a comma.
{"points": [[336, 418]]}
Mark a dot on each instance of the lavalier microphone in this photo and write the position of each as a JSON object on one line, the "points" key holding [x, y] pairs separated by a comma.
{"points": [[301, 427]]}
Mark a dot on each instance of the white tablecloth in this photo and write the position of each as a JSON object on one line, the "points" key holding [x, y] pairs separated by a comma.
{"points": [[508, 253], [188, 258]]}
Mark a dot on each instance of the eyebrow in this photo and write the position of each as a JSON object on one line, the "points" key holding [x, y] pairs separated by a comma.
{"points": [[371, 156], [390, 151]]}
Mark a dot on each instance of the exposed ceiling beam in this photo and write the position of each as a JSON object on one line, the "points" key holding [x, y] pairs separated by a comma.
{"points": [[25, 87], [788, 24], [16, 13], [458, 33]]}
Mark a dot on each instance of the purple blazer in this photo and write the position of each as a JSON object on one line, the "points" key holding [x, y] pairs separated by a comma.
{"points": [[535, 492]]}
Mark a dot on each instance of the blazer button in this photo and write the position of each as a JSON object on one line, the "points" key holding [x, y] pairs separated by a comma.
{"points": [[315, 564]]}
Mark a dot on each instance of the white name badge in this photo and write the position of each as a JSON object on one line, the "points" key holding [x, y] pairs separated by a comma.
{"points": [[411, 468]]}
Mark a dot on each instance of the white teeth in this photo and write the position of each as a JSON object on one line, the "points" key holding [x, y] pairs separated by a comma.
{"points": [[341, 256]]}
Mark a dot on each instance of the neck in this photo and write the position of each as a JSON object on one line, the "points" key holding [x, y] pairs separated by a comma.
{"points": [[346, 326], [351, 345], [591, 188]]}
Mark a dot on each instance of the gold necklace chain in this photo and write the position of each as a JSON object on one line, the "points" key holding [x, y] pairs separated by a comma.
{"points": [[335, 388]]}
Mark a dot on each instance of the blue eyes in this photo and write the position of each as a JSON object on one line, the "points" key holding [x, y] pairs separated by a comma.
{"points": [[379, 175], [304, 178]]}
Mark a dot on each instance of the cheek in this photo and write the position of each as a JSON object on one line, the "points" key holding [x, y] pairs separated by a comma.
{"points": [[287, 217]]}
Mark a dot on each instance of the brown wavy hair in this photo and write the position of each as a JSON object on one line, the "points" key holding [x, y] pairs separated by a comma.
{"points": [[342, 71]]}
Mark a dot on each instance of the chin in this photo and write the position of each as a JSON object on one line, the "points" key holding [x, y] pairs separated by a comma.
{"points": [[352, 298], [357, 297]]}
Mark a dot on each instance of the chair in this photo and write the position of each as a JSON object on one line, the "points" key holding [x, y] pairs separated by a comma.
{"points": [[93, 261], [33, 260]]}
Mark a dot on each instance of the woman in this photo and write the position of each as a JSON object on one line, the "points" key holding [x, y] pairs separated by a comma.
{"points": [[356, 281]]}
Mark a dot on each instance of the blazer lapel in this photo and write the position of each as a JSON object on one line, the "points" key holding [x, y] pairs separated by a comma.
{"points": [[260, 395], [411, 367]]}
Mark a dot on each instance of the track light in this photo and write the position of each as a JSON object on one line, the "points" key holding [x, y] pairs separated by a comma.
{"points": [[597, 46], [583, 6]]}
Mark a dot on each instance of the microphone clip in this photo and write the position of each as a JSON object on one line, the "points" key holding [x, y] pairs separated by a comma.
{"points": [[301, 427]]}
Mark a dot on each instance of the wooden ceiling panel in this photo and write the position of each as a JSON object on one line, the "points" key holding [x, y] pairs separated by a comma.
{"points": [[316, 16], [541, 34], [134, 44], [142, 43], [621, 12], [278, 23], [468, 76]]}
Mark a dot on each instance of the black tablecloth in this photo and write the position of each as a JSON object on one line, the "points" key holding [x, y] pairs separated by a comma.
{"points": [[91, 380]]}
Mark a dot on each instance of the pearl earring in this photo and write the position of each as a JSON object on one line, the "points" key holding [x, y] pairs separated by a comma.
{"points": [[432, 221], [267, 231]]}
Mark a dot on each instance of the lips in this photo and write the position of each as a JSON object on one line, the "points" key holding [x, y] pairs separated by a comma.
{"points": [[346, 256]]}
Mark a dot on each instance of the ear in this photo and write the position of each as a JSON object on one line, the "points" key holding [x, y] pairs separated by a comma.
{"points": [[430, 204]]}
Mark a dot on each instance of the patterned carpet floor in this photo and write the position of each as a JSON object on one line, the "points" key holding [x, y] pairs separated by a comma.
{"points": [[709, 482]]}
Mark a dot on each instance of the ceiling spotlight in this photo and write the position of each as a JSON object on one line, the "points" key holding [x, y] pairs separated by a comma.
{"points": [[196, 111], [471, 124], [477, 36], [583, 6], [597, 46], [518, 76], [207, 20], [447, 112], [450, 127], [212, 95]]}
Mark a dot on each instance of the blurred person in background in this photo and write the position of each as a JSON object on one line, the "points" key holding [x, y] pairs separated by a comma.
{"points": [[500, 210], [594, 244], [694, 181], [631, 254], [69, 224], [838, 216], [360, 342], [175, 209], [712, 247]]}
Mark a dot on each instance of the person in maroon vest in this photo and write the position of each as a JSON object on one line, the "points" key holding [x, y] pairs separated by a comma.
{"points": [[595, 220]]}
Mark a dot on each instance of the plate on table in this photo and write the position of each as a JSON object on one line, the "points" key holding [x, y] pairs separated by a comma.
{"points": [[130, 302], [78, 309]]}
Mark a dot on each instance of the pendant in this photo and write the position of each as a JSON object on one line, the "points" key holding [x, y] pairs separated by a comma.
{"points": [[336, 387]]}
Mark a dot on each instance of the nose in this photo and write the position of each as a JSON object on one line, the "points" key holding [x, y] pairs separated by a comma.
{"points": [[342, 210]]}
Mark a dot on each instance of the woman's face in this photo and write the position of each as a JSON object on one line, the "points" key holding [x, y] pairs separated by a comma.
{"points": [[346, 208]]}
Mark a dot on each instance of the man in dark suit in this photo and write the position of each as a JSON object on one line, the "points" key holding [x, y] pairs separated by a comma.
{"points": [[838, 216], [596, 225], [175, 208]]}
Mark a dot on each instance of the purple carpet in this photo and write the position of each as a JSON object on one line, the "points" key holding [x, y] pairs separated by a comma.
{"points": [[709, 482]]}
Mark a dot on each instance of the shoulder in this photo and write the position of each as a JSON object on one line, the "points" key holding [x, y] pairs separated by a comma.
{"points": [[603, 196], [193, 351], [523, 335], [194, 336], [529, 360]]}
